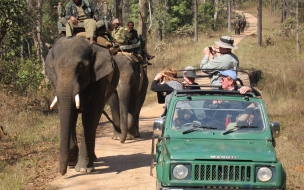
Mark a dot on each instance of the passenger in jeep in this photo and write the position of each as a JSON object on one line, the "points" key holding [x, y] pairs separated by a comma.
{"points": [[249, 117], [226, 60], [228, 80], [81, 11], [189, 78], [166, 82]]}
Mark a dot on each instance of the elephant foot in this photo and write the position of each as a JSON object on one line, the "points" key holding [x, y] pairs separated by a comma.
{"points": [[129, 136], [73, 159], [84, 169]]}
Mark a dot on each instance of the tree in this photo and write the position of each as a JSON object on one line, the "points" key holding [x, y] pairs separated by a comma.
{"points": [[297, 27], [12, 17], [259, 32], [229, 15], [118, 10], [195, 21], [142, 18]]}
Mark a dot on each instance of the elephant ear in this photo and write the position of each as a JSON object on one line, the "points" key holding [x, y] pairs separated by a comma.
{"points": [[49, 68], [102, 60]]}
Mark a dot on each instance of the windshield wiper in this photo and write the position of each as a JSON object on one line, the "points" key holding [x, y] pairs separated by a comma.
{"points": [[197, 127], [236, 128]]}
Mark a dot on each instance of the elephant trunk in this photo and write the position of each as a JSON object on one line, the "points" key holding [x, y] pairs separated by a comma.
{"points": [[66, 112]]}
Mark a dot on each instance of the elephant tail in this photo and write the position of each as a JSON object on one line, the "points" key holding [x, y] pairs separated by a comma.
{"points": [[111, 121]]}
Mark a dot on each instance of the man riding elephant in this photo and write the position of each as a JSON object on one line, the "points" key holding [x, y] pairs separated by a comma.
{"points": [[81, 11]]}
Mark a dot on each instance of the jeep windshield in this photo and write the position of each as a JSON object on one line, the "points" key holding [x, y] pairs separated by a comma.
{"points": [[218, 115]]}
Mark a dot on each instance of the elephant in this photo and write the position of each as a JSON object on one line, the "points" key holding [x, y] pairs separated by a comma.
{"points": [[89, 73], [126, 102], [237, 26], [242, 25]]}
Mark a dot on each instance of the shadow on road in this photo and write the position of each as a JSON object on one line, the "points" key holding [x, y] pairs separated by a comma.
{"points": [[120, 163]]}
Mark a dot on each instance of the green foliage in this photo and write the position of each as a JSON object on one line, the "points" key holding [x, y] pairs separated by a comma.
{"points": [[14, 24], [49, 21], [206, 17], [29, 75], [134, 11], [22, 75], [179, 14]]}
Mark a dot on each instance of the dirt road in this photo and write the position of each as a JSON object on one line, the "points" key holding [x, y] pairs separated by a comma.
{"points": [[125, 166]]}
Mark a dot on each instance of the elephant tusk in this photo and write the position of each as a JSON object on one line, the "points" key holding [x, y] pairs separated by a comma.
{"points": [[77, 101], [54, 102]]}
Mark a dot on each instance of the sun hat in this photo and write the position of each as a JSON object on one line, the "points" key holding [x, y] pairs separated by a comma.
{"points": [[191, 73], [226, 42], [229, 73], [116, 21]]}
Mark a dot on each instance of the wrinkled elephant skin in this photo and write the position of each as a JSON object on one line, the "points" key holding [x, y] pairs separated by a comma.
{"points": [[127, 100], [77, 67]]}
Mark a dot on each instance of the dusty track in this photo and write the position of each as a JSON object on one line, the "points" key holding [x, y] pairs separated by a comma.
{"points": [[125, 166]]}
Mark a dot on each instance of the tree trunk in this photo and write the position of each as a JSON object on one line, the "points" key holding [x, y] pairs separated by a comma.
{"points": [[216, 3], [195, 22], [259, 8], [142, 18], [160, 35], [125, 11], [118, 10], [36, 6], [297, 27], [284, 12], [229, 15]]}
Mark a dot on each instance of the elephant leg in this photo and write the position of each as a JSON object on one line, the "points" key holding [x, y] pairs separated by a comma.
{"points": [[74, 150], [141, 96], [90, 118], [114, 105]]}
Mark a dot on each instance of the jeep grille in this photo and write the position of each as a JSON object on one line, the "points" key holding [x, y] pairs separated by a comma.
{"points": [[222, 173]]}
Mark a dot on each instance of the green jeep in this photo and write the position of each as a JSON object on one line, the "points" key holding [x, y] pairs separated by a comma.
{"points": [[216, 139]]}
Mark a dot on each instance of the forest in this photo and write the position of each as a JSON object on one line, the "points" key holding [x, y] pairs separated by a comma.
{"points": [[29, 27]]}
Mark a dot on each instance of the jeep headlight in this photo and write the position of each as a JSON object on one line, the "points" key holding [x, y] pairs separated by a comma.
{"points": [[264, 174], [180, 171]]}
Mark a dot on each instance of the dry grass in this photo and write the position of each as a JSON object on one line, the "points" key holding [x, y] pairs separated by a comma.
{"points": [[282, 86], [29, 151]]}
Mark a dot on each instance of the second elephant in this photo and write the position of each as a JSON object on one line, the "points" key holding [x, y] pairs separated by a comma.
{"points": [[129, 97]]}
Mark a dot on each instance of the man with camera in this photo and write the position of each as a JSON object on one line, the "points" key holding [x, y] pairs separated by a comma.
{"points": [[226, 60]]}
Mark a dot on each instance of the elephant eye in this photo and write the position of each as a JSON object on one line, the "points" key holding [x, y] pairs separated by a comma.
{"points": [[79, 67]]}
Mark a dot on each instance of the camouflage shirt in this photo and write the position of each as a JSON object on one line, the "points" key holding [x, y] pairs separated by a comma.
{"points": [[88, 7], [119, 35]]}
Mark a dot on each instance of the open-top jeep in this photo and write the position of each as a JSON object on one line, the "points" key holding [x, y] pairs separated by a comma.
{"points": [[216, 139]]}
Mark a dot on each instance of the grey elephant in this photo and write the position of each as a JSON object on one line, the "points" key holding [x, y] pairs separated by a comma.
{"points": [[242, 25], [237, 24], [127, 100], [85, 76]]}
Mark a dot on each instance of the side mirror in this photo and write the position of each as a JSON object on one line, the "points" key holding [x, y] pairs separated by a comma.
{"points": [[275, 128], [158, 126]]}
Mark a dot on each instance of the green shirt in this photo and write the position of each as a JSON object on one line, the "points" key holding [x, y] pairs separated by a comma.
{"points": [[119, 35]]}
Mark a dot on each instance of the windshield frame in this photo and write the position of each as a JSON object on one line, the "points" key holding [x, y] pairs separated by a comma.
{"points": [[210, 133]]}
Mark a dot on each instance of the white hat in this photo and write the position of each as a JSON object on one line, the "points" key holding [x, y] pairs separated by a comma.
{"points": [[116, 21], [226, 42]]}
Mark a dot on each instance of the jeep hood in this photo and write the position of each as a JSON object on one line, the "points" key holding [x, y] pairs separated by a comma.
{"points": [[246, 150]]}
